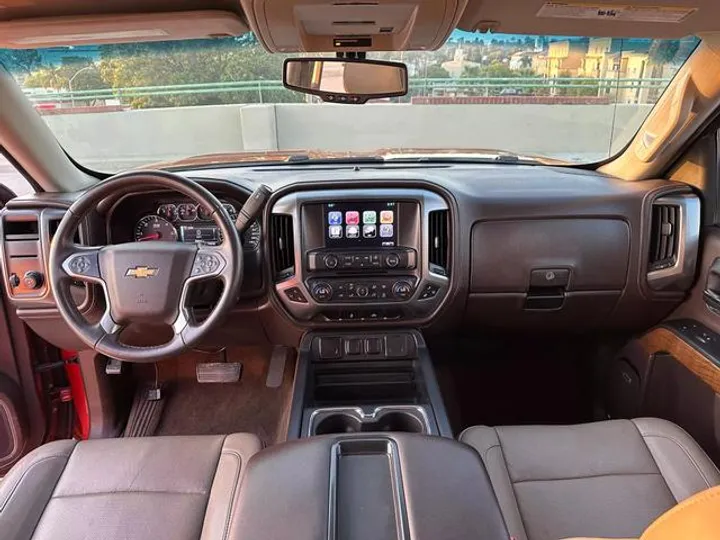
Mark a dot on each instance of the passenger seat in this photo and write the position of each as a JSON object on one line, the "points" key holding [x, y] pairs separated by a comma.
{"points": [[603, 480]]}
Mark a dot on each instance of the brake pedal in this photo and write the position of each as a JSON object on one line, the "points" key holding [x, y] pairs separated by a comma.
{"points": [[218, 372]]}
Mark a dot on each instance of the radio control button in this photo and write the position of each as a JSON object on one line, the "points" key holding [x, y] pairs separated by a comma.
{"points": [[392, 260], [362, 291], [331, 261]]}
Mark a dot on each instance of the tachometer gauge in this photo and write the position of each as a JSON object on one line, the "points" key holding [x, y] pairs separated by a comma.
{"points": [[167, 211], [187, 212], [155, 227], [203, 214]]}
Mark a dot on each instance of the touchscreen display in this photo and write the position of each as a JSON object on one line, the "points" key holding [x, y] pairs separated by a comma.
{"points": [[361, 224]]}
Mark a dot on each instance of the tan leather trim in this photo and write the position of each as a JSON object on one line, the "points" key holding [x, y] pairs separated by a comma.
{"points": [[695, 518], [663, 340]]}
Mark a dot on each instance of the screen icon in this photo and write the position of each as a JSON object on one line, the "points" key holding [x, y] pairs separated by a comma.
{"points": [[386, 230], [335, 231], [369, 217], [352, 217], [352, 231], [369, 231], [387, 216], [334, 218]]}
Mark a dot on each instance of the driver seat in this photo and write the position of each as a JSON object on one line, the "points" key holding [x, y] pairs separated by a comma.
{"points": [[164, 488]]}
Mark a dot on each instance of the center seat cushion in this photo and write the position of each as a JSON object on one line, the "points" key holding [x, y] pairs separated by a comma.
{"points": [[607, 479]]}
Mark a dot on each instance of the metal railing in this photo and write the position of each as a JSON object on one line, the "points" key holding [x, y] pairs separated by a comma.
{"points": [[418, 86]]}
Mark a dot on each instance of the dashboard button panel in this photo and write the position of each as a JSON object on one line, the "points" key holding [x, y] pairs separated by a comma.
{"points": [[379, 289], [398, 258]]}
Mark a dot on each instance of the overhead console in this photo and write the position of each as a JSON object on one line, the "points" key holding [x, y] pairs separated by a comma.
{"points": [[358, 255], [326, 26]]}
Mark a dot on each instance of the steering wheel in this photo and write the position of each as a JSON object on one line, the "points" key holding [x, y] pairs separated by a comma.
{"points": [[144, 282]]}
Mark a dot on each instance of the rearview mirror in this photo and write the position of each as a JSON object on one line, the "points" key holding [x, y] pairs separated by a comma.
{"points": [[342, 80]]}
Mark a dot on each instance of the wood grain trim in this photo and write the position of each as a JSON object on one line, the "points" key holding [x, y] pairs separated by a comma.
{"points": [[662, 340]]}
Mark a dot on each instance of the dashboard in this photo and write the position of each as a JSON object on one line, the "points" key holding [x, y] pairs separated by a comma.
{"points": [[430, 246]]}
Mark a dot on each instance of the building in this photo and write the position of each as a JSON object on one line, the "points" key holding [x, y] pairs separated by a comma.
{"points": [[565, 58], [617, 60], [457, 65]]}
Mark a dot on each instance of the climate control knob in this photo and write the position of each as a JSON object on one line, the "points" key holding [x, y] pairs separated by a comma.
{"points": [[331, 261], [322, 291], [33, 279], [402, 290]]}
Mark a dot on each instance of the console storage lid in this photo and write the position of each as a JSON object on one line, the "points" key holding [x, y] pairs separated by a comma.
{"points": [[381, 486]]}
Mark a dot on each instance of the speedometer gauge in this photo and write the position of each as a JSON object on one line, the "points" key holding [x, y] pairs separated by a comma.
{"points": [[155, 228]]}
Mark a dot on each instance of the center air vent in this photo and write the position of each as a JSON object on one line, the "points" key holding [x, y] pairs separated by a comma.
{"points": [[664, 236], [283, 246], [439, 242]]}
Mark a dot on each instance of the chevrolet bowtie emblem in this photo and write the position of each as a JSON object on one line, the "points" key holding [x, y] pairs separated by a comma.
{"points": [[141, 272]]}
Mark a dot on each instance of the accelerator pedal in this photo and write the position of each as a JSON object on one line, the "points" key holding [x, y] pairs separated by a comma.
{"points": [[146, 411]]}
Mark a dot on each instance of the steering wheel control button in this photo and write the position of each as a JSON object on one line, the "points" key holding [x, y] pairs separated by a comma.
{"points": [[206, 264], [294, 294], [33, 279], [83, 265]]}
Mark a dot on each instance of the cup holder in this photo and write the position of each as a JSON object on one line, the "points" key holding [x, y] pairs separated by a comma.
{"points": [[355, 421]]}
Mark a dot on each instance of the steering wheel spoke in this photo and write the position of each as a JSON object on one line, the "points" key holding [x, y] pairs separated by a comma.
{"points": [[82, 263]]}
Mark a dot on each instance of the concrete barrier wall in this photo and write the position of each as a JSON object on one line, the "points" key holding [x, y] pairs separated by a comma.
{"points": [[118, 140]]}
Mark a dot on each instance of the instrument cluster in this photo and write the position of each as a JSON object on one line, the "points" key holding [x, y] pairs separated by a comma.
{"points": [[191, 223]]}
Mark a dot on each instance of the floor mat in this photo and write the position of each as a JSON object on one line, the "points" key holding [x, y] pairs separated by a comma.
{"points": [[514, 381], [212, 408]]}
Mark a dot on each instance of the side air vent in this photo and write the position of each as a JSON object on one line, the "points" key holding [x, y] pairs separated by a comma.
{"points": [[439, 240], [673, 242], [664, 236], [26, 228], [283, 246]]}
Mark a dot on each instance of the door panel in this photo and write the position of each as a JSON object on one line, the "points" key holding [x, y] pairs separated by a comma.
{"points": [[673, 370]]}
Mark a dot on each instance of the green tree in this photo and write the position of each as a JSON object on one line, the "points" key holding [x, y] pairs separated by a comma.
{"points": [[20, 61], [84, 74], [200, 61], [436, 71]]}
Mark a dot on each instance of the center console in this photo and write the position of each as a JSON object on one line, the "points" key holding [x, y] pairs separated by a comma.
{"points": [[366, 382], [361, 255]]}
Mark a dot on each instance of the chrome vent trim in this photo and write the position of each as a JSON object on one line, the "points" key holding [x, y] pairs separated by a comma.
{"points": [[672, 247]]}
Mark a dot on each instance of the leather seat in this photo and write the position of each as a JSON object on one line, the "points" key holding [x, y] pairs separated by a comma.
{"points": [[606, 479], [158, 487]]}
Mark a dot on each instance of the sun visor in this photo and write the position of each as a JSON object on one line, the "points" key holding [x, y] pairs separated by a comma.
{"points": [[363, 25], [114, 28], [662, 19]]}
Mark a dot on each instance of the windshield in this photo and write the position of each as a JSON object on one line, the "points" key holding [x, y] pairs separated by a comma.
{"points": [[576, 99]]}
